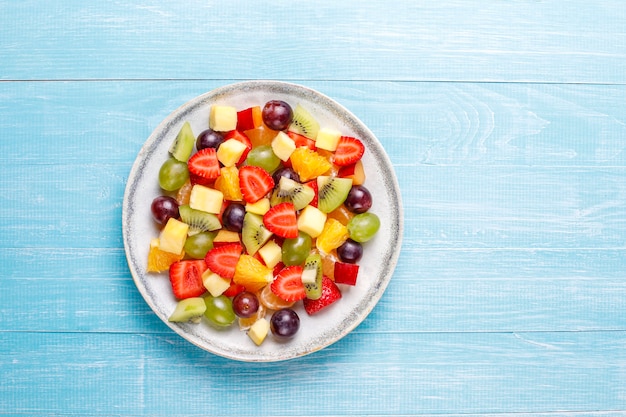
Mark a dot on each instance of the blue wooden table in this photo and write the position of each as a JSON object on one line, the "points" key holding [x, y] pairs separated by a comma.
{"points": [[505, 122]]}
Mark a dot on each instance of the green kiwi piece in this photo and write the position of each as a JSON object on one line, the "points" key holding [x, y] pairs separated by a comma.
{"points": [[292, 191], [254, 234], [188, 309], [332, 192], [182, 147], [312, 275], [303, 123], [198, 220]]}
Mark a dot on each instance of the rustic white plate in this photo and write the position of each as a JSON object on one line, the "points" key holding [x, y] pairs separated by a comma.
{"points": [[316, 332]]}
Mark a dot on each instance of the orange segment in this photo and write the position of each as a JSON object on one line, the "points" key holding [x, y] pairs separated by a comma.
{"points": [[261, 135], [308, 163], [228, 183], [159, 260], [182, 196], [252, 274], [246, 323], [342, 214], [332, 236], [273, 302]]}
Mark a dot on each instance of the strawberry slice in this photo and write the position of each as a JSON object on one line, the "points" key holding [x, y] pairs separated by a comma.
{"points": [[313, 184], [346, 273], [349, 150], [233, 290], [223, 259], [255, 183], [186, 278], [288, 284], [330, 294], [204, 167], [281, 220], [301, 140]]}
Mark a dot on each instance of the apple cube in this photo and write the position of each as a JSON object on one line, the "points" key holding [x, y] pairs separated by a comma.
{"points": [[173, 236], [230, 151], [259, 330], [355, 172], [215, 284], [223, 118], [283, 146], [327, 139], [346, 273], [311, 221], [249, 118], [206, 199], [271, 253]]}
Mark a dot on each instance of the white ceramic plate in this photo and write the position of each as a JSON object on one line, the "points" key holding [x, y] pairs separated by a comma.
{"points": [[318, 331]]}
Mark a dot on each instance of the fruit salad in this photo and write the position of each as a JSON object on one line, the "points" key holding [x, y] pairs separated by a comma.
{"points": [[261, 211]]}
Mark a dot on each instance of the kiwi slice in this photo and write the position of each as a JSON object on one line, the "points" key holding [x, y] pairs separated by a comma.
{"points": [[189, 309], [312, 276], [303, 123], [292, 191], [254, 234], [198, 220], [182, 147], [332, 192]]}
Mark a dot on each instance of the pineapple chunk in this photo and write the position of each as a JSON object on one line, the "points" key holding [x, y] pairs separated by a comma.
{"points": [[223, 118], [283, 146], [327, 139], [215, 284], [260, 207], [311, 221], [173, 236], [230, 152], [259, 331], [271, 253], [206, 199]]}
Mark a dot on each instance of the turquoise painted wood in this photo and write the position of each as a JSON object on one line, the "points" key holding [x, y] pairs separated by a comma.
{"points": [[506, 126]]}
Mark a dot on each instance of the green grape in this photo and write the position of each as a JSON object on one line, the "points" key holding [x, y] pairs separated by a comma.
{"points": [[296, 250], [173, 174], [196, 246], [219, 310], [363, 227], [263, 156]]}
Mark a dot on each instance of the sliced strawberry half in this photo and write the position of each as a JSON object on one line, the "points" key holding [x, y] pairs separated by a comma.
{"points": [[186, 278], [204, 167], [313, 184], [288, 284], [346, 273], [330, 294], [301, 140], [255, 183], [281, 220], [233, 290], [349, 150], [223, 259]]}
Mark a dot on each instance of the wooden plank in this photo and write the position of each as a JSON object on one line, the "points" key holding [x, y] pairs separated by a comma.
{"points": [[522, 41]]}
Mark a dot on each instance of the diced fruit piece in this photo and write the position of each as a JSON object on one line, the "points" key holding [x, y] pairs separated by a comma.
{"points": [[271, 301], [332, 236], [251, 273], [311, 221], [204, 167], [354, 171], [186, 278], [219, 310], [281, 220], [159, 260], [312, 275], [260, 207], [255, 183], [230, 152], [346, 273], [303, 123], [349, 150], [328, 264], [332, 192], [228, 183], [259, 330], [183, 193], [223, 259], [308, 164], [342, 214], [330, 294], [215, 284], [288, 284], [292, 191], [206, 199], [245, 323], [271, 253], [182, 147], [313, 185], [222, 118], [262, 135], [239, 137], [173, 236], [225, 237], [234, 289], [254, 233], [327, 139], [283, 146], [301, 140], [188, 310], [198, 221], [249, 118]]}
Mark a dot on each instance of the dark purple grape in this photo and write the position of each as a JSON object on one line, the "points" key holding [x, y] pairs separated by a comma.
{"points": [[359, 199], [350, 251], [277, 114], [209, 139], [245, 304], [285, 172], [163, 208], [233, 215], [284, 323]]}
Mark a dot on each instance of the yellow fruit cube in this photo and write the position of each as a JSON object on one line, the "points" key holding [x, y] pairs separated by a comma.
{"points": [[215, 284], [259, 330], [283, 146], [230, 152], [206, 199], [260, 207], [311, 221], [223, 118], [327, 139], [271, 253], [173, 236]]}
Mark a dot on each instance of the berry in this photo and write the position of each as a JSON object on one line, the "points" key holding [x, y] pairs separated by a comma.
{"points": [[186, 278], [330, 294], [204, 166], [255, 183], [288, 284], [281, 220], [349, 150], [223, 259]]}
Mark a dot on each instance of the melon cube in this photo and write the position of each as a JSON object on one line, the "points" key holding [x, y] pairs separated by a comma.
{"points": [[311, 221], [173, 236], [271, 253], [230, 151], [283, 146], [206, 199], [327, 139], [223, 118]]}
